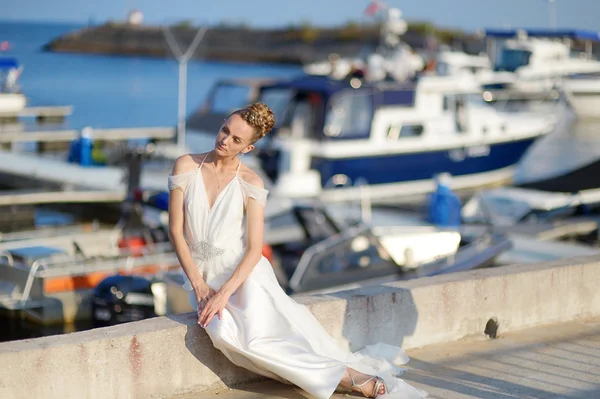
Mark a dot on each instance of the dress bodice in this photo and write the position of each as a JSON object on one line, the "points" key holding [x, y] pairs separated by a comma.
{"points": [[222, 224], [215, 235]]}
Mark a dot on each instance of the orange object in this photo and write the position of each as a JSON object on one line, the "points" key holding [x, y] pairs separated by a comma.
{"points": [[136, 244], [91, 280], [267, 252]]}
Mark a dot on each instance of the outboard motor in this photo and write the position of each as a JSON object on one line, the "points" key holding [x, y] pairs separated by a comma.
{"points": [[123, 298]]}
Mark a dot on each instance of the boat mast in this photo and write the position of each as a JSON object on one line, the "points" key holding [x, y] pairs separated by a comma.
{"points": [[553, 15]]}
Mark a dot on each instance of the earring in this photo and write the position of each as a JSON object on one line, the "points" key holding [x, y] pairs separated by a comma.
{"points": [[241, 155]]}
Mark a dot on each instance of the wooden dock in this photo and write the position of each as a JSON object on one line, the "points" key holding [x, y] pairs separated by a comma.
{"points": [[18, 197], [47, 171], [42, 114], [10, 136]]}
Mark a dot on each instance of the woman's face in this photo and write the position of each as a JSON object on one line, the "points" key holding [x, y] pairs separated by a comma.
{"points": [[234, 137]]}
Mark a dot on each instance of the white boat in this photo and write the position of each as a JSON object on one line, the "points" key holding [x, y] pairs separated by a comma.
{"points": [[583, 93], [458, 63], [11, 100], [341, 140], [50, 278], [532, 62]]}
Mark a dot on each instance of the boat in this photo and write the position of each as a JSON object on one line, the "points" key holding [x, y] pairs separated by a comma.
{"points": [[334, 248], [458, 63], [583, 94], [391, 57], [12, 101], [583, 178], [49, 279], [537, 62], [339, 140]]}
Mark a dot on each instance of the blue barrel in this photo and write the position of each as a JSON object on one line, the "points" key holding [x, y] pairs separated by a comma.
{"points": [[444, 207]]}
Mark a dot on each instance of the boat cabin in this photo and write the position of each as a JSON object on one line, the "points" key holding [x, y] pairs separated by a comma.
{"points": [[552, 50]]}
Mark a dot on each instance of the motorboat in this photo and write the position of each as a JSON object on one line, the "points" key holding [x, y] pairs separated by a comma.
{"points": [[331, 248], [339, 140], [459, 63], [536, 62], [49, 278], [583, 94]]}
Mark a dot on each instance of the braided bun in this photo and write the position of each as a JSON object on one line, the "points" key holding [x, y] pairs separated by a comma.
{"points": [[260, 117]]}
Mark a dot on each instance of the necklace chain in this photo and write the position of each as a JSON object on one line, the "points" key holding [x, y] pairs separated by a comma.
{"points": [[217, 176]]}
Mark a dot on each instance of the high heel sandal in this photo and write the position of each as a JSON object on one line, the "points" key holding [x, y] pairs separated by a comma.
{"points": [[375, 393]]}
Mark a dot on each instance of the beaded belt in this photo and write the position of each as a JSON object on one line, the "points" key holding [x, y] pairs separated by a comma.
{"points": [[205, 250]]}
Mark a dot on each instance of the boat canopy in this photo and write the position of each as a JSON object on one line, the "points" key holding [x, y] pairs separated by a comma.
{"points": [[577, 34], [392, 93]]}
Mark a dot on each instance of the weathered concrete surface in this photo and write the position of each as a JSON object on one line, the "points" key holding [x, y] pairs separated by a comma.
{"points": [[169, 356], [551, 362]]}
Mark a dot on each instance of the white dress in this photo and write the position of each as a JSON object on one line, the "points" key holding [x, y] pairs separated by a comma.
{"points": [[263, 329]]}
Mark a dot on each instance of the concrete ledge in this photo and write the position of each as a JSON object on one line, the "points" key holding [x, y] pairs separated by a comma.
{"points": [[168, 356]]}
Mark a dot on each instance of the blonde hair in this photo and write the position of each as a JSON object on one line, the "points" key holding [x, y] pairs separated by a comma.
{"points": [[260, 117]]}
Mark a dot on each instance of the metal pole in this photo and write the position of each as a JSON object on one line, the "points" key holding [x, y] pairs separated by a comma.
{"points": [[182, 92], [181, 104], [553, 15]]}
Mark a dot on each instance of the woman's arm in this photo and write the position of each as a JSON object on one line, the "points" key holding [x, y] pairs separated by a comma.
{"points": [[176, 223], [255, 225]]}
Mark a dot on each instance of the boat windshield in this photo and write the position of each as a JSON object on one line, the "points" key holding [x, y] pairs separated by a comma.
{"points": [[278, 100], [227, 97], [350, 115], [512, 59]]}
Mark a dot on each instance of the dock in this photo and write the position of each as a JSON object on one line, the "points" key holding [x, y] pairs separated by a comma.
{"points": [[57, 136], [522, 364], [18, 197], [45, 171], [520, 331], [41, 113]]}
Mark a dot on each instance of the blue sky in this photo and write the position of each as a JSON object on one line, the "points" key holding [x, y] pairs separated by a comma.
{"points": [[466, 14]]}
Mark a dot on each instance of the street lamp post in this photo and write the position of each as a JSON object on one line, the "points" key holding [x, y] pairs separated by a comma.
{"points": [[183, 59]]}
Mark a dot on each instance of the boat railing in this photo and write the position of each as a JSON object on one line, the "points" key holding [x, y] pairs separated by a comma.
{"points": [[505, 99], [324, 247], [10, 260], [54, 266]]}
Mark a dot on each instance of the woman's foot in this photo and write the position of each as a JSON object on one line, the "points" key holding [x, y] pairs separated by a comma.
{"points": [[368, 386]]}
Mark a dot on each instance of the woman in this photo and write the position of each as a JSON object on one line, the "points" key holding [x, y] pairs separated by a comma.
{"points": [[233, 287]]}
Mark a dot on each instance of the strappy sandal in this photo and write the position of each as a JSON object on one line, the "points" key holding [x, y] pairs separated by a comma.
{"points": [[378, 383]]}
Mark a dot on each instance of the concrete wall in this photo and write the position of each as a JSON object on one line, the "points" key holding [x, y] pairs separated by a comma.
{"points": [[168, 356]]}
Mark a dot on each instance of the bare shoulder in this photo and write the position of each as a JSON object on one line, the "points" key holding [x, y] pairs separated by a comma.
{"points": [[249, 176], [185, 163]]}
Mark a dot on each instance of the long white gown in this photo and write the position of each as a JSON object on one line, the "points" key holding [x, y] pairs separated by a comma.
{"points": [[263, 329]]}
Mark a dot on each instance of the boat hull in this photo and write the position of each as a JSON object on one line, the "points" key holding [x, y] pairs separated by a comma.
{"points": [[407, 175], [583, 94]]}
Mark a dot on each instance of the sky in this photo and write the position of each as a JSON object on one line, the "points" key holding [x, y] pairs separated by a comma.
{"points": [[465, 14]]}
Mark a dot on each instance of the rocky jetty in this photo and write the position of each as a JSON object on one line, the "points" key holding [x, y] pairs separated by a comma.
{"points": [[293, 45]]}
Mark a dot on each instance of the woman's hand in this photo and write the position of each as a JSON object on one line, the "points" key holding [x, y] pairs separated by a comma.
{"points": [[214, 306], [203, 293]]}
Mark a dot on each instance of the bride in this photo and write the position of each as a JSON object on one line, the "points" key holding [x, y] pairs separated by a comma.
{"points": [[233, 287]]}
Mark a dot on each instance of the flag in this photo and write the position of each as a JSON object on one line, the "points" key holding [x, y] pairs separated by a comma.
{"points": [[373, 8]]}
